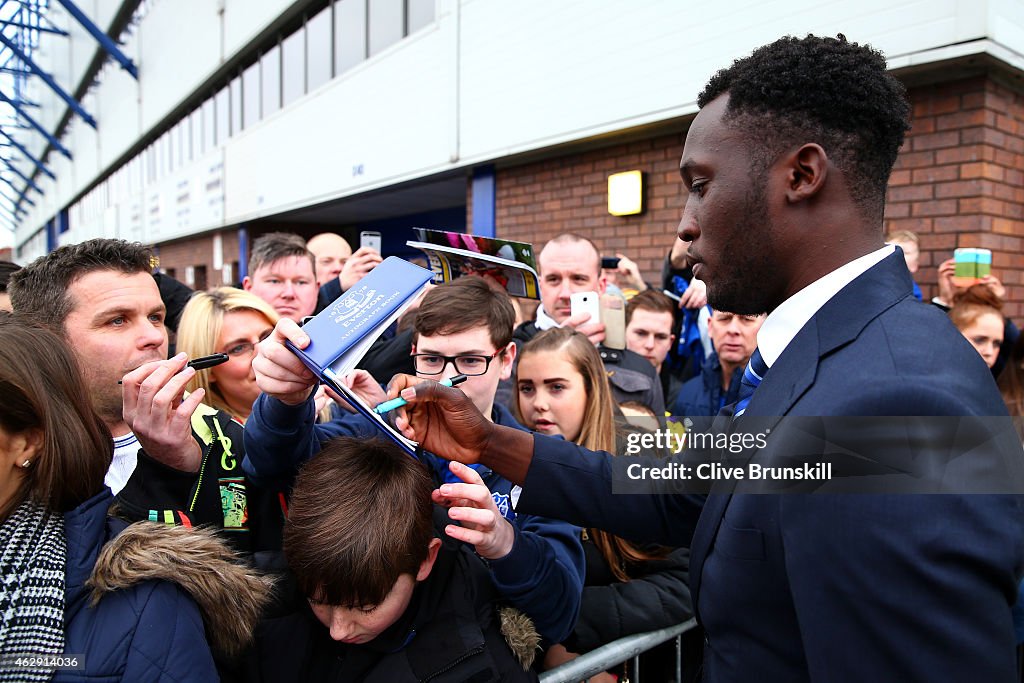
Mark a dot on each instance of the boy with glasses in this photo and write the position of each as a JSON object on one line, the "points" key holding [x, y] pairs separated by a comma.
{"points": [[463, 327]]}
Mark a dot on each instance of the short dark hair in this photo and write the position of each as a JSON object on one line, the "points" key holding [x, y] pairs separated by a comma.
{"points": [[650, 300], [7, 268], [275, 246], [465, 303], [39, 291], [824, 90], [43, 389], [360, 517]]}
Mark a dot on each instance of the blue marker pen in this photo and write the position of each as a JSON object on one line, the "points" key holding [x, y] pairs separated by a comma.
{"points": [[388, 406]]}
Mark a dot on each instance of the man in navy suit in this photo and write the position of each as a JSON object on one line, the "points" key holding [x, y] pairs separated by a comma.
{"points": [[786, 167]]}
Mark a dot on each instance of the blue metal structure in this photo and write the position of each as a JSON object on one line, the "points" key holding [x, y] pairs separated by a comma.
{"points": [[21, 24]]}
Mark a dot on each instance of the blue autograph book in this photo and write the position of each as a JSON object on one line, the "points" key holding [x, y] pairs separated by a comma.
{"points": [[341, 334]]}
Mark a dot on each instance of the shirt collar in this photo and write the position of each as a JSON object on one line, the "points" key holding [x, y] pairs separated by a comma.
{"points": [[544, 321], [784, 322]]}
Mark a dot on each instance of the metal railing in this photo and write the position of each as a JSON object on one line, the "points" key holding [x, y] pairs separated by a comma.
{"points": [[618, 651]]}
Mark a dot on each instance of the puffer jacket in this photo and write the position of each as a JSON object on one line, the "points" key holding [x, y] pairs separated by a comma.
{"points": [[142, 599]]}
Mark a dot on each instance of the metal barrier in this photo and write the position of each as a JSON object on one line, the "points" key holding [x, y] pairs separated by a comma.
{"points": [[616, 652]]}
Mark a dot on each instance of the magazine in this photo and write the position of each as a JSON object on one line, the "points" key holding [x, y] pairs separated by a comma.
{"points": [[454, 254]]}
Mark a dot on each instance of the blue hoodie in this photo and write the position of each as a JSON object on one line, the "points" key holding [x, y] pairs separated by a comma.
{"points": [[546, 559]]}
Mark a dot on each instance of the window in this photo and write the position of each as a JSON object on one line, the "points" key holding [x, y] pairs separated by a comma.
{"points": [[222, 103], [293, 67], [420, 14], [209, 126], [251, 95], [270, 80], [349, 34], [236, 105], [319, 50], [196, 123], [387, 24]]}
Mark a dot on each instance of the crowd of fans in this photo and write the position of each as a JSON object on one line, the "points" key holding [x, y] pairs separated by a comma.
{"points": [[177, 456], [163, 522]]}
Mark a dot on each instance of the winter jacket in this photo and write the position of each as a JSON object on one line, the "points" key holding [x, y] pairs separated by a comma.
{"points": [[702, 396], [452, 631], [657, 596], [148, 578], [546, 558], [219, 494]]}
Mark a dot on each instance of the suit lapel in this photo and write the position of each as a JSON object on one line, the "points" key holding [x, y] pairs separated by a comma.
{"points": [[836, 324]]}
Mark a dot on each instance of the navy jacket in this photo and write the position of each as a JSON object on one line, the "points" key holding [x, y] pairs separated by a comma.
{"points": [[152, 631], [702, 395], [546, 558], [854, 587]]}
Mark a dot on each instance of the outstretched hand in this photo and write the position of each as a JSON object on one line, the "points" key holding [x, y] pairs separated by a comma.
{"points": [[442, 419], [471, 504], [279, 372]]}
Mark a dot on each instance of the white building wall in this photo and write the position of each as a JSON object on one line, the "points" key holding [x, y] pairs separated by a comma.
{"points": [[489, 78]]}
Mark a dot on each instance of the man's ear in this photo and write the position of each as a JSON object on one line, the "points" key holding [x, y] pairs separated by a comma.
{"points": [[602, 284], [806, 172], [247, 283], [428, 564], [508, 360]]}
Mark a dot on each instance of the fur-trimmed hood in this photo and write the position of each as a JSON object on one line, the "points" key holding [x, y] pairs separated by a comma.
{"points": [[229, 594]]}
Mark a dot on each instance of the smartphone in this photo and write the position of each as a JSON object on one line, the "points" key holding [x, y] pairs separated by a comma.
{"points": [[971, 264], [609, 262], [585, 302], [613, 315], [370, 239]]}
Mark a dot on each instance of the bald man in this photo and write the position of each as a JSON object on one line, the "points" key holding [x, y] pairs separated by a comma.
{"points": [[331, 252], [337, 268]]}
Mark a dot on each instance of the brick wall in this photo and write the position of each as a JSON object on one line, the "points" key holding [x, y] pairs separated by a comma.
{"points": [[959, 181], [198, 251], [570, 194]]}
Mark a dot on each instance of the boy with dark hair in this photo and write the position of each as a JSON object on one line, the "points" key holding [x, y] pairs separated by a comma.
{"points": [[398, 603], [461, 327], [282, 272]]}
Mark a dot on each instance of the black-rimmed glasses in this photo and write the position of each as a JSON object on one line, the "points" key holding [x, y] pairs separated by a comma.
{"points": [[469, 364]]}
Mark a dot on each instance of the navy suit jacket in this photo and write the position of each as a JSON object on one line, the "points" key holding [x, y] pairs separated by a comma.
{"points": [[834, 587]]}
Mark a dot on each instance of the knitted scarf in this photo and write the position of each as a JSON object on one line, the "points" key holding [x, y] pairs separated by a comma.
{"points": [[32, 561]]}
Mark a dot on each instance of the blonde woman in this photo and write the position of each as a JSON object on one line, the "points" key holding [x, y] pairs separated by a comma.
{"points": [[226, 320], [562, 389]]}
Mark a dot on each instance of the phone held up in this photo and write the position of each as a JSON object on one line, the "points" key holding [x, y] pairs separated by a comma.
{"points": [[370, 239], [609, 262], [608, 309], [971, 265]]}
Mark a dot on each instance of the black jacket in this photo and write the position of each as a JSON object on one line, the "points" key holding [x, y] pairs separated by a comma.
{"points": [[220, 495], [449, 633]]}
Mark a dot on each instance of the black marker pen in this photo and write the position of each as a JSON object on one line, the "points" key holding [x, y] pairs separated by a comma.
{"points": [[205, 362]]}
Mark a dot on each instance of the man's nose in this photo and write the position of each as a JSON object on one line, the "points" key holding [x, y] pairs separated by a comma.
{"points": [[289, 290], [151, 336], [688, 229]]}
